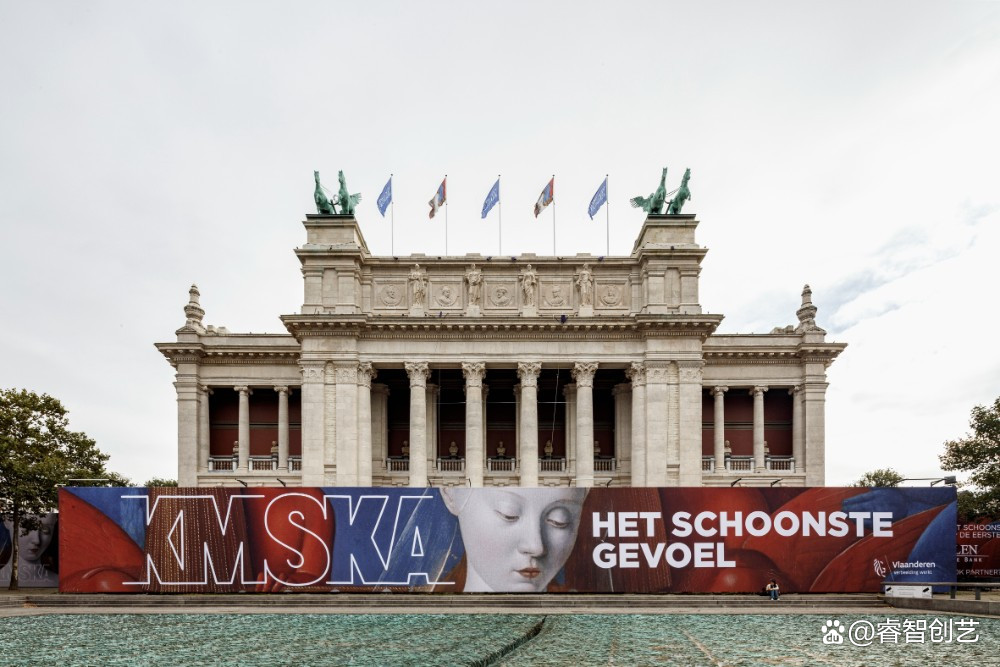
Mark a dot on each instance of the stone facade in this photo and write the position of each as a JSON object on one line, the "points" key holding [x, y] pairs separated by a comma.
{"points": [[480, 371]]}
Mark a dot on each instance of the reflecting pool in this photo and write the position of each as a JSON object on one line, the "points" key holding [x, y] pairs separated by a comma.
{"points": [[479, 639]]}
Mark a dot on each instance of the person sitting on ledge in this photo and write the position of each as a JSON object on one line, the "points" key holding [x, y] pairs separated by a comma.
{"points": [[772, 589]]}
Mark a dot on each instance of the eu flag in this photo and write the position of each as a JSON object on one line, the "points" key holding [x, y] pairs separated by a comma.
{"points": [[491, 199], [599, 199], [385, 198]]}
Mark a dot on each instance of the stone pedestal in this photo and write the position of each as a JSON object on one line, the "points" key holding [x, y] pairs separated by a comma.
{"points": [[586, 311]]}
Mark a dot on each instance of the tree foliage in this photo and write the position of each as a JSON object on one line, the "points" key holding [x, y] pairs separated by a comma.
{"points": [[160, 481], [38, 453], [880, 477], [978, 454]]}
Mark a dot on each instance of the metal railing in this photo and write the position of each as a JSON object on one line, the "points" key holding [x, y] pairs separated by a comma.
{"points": [[397, 465], [500, 464], [604, 465], [451, 464], [552, 464], [222, 463]]}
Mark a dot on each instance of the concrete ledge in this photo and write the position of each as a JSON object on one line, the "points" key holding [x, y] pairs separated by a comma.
{"points": [[973, 607]]}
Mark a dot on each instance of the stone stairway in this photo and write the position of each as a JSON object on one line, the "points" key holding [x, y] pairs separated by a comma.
{"points": [[429, 602]]}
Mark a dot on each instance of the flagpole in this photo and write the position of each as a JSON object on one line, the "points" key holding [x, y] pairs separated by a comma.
{"points": [[607, 215], [500, 222], [392, 220], [553, 215], [446, 215]]}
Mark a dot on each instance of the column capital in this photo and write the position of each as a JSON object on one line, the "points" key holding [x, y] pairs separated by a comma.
{"points": [[312, 371], [569, 390], [379, 388], [718, 391], [794, 391], [583, 372], [758, 391], [527, 372], [474, 372], [621, 388], [281, 389], [659, 374], [689, 371], [418, 372], [636, 373], [243, 389], [205, 389], [366, 373]]}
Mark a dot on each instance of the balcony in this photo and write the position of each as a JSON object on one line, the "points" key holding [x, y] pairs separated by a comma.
{"points": [[294, 464], [552, 464], [739, 463], [780, 463], [397, 464], [604, 464], [500, 464], [746, 464], [222, 464], [263, 463], [451, 464]]}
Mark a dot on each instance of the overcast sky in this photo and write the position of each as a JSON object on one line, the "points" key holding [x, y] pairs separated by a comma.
{"points": [[853, 146]]}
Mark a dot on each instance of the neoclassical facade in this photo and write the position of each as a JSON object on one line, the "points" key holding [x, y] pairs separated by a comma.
{"points": [[480, 371]]}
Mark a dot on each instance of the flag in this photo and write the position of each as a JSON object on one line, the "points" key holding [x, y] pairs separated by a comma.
{"points": [[385, 198], [491, 199], [599, 199], [440, 197], [545, 198]]}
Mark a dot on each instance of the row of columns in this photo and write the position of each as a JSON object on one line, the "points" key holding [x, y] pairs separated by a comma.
{"points": [[759, 457], [243, 426]]}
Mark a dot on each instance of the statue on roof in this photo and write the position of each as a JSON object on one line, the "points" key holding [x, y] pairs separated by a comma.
{"points": [[654, 203], [345, 201], [683, 194], [323, 205]]}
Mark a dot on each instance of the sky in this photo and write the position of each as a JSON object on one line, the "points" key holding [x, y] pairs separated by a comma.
{"points": [[849, 145]]}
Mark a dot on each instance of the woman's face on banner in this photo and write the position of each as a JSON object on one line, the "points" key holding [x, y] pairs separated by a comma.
{"points": [[30, 547], [516, 540]]}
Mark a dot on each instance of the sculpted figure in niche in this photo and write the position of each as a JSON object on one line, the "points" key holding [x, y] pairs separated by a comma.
{"points": [[585, 280], [475, 279], [529, 278], [419, 285]]}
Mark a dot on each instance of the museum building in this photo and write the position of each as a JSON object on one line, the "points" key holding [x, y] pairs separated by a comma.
{"points": [[485, 371]]}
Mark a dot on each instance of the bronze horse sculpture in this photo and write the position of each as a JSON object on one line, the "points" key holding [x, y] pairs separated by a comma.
{"points": [[654, 203], [683, 194], [323, 205], [345, 201]]}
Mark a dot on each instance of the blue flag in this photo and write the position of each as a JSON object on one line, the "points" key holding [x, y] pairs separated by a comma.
{"points": [[599, 199], [491, 199], [385, 198]]}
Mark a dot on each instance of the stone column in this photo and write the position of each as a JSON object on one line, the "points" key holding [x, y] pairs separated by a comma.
{"points": [[433, 395], [623, 426], [569, 391], [313, 456], [244, 428], [814, 407], [204, 429], [689, 389], [484, 440], [474, 372], [418, 374], [346, 430], [528, 440], [282, 427], [719, 428], [656, 424], [759, 462], [637, 375], [516, 452], [380, 425], [330, 425], [186, 384], [798, 451], [366, 373], [583, 373]]}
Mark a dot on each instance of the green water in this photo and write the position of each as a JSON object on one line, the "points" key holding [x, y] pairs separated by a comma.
{"points": [[369, 639]]}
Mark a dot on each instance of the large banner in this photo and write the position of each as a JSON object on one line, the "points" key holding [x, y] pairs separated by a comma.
{"points": [[978, 550], [504, 539], [37, 553]]}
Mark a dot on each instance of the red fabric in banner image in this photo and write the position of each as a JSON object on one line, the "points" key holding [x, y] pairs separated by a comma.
{"points": [[293, 555], [799, 558], [94, 539], [853, 570]]}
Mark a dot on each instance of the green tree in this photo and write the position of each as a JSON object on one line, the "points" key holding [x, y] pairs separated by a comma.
{"points": [[880, 477], [38, 452], [160, 481], [978, 453]]}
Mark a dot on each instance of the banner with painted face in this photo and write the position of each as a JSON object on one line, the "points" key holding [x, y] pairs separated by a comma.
{"points": [[37, 553], [504, 539]]}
